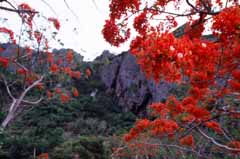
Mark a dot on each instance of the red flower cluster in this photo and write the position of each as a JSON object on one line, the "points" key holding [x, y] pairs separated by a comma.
{"points": [[38, 36], [227, 24], [9, 32], [69, 56], [118, 8], [187, 140], [43, 156], [28, 15], [64, 98], [4, 62], [55, 22], [141, 23], [141, 125], [111, 33], [214, 125], [75, 92], [163, 126], [54, 68]]}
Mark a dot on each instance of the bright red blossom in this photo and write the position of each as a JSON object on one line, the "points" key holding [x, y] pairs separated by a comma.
{"points": [[75, 92], [54, 68], [4, 62], [55, 22], [112, 33], [43, 156], [187, 141], [38, 36], [9, 32], [64, 98], [214, 125], [69, 56]]}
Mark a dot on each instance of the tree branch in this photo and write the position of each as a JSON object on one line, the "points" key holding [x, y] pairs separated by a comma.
{"points": [[215, 142], [200, 11], [17, 10], [33, 102]]}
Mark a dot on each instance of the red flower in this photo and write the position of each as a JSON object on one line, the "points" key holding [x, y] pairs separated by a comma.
{"points": [[58, 90], [4, 62], [49, 95], [1, 49], [38, 36], [56, 23], [214, 125], [141, 23], [75, 92], [111, 33], [54, 68], [235, 144], [21, 71], [43, 156], [119, 7], [9, 32], [49, 57], [29, 51], [76, 74], [27, 17], [64, 98], [187, 140], [40, 86], [69, 56]]}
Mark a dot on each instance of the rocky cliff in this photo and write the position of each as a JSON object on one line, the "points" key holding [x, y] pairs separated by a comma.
{"points": [[123, 77]]}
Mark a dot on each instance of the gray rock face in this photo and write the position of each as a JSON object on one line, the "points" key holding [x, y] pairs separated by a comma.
{"points": [[134, 92], [9, 50]]}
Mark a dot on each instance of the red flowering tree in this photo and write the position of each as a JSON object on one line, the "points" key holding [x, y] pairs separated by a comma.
{"points": [[209, 67], [32, 73]]}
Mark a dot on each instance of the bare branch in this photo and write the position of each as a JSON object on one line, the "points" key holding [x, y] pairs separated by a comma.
{"points": [[21, 98], [117, 151], [20, 65], [173, 146], [33, 102], [10, 4], [191, 5], [171, 13], [200, 11], [51, 8], [217, 143], [71, 10], [30, 87], [17, 10], [12, 105]]}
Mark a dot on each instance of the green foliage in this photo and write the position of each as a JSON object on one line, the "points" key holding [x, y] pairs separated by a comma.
{"points": [[51, 127], [83, 147]]}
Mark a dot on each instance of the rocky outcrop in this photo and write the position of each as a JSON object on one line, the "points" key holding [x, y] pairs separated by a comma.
{"points": [[121, 76], [134, 92]]}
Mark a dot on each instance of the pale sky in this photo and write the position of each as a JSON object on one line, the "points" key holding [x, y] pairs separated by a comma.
{"points": [[81, 33]]}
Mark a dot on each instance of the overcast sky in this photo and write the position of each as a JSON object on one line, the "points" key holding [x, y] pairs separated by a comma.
{"points": [[80, 27]]}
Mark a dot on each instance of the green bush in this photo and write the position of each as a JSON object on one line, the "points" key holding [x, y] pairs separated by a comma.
{"points": [[83, 147]]}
